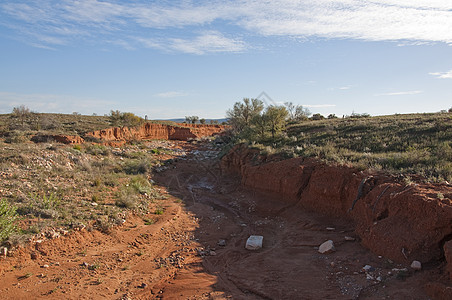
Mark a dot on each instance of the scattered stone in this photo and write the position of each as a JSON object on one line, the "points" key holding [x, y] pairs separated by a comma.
{"points": [[379, 279], [327, 247], [254, 242], [85, 264], [416, 265], [330, 228], [142, 286], [45, 266], [368, 268], [349, 238], [222, 243], [369, 277], [94, 204], [5, 251], [212, 253]]}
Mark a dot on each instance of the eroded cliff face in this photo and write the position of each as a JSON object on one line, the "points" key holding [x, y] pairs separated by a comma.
{"points": [[156, 131], [398, 221], [65, 139]]}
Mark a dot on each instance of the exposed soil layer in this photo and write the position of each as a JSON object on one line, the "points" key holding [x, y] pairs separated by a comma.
{"points": [[148, 131], [403, 222], [196, 248]]}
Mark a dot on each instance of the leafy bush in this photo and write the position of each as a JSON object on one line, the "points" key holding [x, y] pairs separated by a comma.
{"points": [[128, 119]]}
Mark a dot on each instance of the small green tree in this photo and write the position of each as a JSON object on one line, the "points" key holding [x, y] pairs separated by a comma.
{"points": [[276, 119], [260, 125], [22, 113], [240, 116], [296, 113], [191, 119], [115, 118], [202, 121], [128, 119]]}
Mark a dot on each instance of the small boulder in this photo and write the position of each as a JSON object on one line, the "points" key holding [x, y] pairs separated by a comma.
{"points": [[416, 265], [327, 247], [254, 242]]}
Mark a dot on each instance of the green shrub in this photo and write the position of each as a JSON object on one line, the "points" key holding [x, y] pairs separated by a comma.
{"points": [[134, 166], [126, 198], [140, 184], [8, 216]]}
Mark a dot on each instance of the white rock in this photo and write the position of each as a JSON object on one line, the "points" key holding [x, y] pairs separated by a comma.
{"points": [[367, 268], [416, 265], [254, 242], [349, 238], [327, 247]]}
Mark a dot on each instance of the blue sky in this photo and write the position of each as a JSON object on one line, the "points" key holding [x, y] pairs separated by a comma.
{"points": [[169, 59]]}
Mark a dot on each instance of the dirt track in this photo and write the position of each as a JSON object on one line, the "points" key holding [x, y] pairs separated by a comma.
{"points": [[178, 256]]}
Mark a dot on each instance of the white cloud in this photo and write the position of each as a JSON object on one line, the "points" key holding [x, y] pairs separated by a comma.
{"points": [[319, 105], [400, 93], [207, 42], [52, 22], [171, 94], [442, 75]]}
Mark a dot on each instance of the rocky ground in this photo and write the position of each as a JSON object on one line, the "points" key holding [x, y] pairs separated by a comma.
{"points": [[194, 248]]}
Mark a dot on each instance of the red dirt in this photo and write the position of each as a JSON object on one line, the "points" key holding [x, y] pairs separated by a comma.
{"points": [[149, 131], [292, 204]]}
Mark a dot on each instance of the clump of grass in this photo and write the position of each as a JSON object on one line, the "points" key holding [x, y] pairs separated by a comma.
{"points": [[155, 151], [148, 221], [127, 200], [8, 216], [140, 184], [159, 211], [95, 149], [137, 166]]}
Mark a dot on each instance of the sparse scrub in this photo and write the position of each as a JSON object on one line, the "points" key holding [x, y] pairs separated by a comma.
{"points": [[128, 119], [418, 143], [94, 149], [8, 216], [125, 199], [136, 166], [140, 184]]}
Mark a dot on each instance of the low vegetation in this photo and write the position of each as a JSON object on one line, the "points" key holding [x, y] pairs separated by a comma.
{"points": [[60, 186], [416, 144]]}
